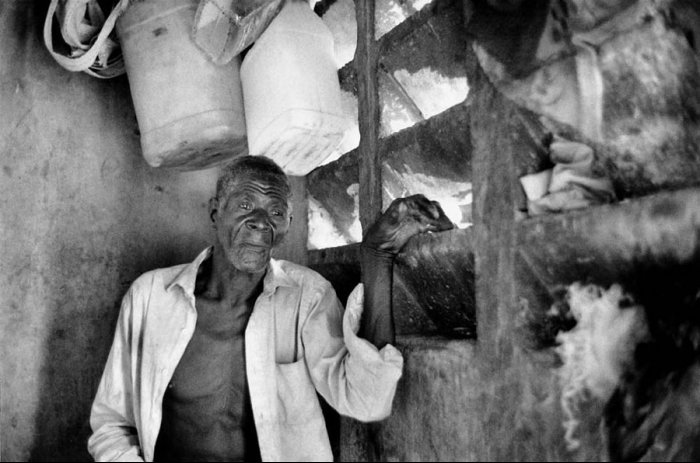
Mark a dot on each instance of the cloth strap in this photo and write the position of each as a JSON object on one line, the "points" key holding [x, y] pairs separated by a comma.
{"points": [[84, 57]]}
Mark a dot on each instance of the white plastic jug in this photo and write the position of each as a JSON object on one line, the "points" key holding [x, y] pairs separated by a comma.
{"points": [[291, 91], [189, 110]]}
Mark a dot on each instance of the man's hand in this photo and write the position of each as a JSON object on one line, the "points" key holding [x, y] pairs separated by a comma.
{"points": [[404, 218]]}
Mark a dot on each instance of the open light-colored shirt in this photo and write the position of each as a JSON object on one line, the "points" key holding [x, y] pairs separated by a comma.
{"points": [[297, 342]]}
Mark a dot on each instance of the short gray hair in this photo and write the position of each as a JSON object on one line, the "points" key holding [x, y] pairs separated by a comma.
{"points": [[249, 166]]}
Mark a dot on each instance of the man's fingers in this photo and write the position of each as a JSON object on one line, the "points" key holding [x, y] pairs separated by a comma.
{"points": [[421, 208], [418, 214], [430, 212], [432, 208]]}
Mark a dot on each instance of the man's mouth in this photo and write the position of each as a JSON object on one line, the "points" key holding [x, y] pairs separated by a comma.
{"points": [[253, 241]]}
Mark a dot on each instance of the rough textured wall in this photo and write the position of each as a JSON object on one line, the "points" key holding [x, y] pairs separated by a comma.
{"points": [[495, 399], [449, 406], [81, 215], [486, 399]]}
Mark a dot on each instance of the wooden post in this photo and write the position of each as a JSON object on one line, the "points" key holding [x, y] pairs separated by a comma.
{"points": [[495, 131], [368, 102]]}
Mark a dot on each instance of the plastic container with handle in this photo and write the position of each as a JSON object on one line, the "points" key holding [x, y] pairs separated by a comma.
{"points": [[189, 110], [291, 91]]}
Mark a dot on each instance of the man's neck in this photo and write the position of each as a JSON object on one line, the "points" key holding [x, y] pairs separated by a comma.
{"points": [[227, 284]]}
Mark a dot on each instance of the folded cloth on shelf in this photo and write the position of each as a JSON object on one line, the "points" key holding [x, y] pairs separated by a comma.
{"points": [[224, 28], [572, 183]]}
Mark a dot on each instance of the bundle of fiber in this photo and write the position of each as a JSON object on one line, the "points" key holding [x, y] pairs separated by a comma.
{"points": [[597, 351]]}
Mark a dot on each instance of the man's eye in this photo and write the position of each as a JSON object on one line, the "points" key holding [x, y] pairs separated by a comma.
{"points": [[277, 213], [245, 205]]}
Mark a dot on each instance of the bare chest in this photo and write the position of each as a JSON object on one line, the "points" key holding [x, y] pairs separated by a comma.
{"points": [[206, 408], [214, 361]]}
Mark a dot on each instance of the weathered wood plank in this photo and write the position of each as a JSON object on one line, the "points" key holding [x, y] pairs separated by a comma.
{"points": [[433, 282], [349, 254], [615, 243], [433, 158], [393, 38], [497, 135], [348, 74], [437, 270], [368, 94]]}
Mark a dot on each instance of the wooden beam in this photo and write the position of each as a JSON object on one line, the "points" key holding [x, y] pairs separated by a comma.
{"points": [[437, 270], [495, 131], [617, 243], [392, 39], [433, 281], [436, 149], [368, 101], [412, 23], [349, 254]]}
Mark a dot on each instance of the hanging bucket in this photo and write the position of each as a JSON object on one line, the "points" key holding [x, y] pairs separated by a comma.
{"points": [[291, 91], [189, 110]]}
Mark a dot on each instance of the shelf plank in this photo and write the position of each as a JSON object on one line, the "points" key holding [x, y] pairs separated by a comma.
{"points": [[433, 158], [623, 242], [433, 281], [438, 271], [349, 254], [348, 73]]}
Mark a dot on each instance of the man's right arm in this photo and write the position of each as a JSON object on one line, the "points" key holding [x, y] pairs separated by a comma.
{"points": [[112, 417]]}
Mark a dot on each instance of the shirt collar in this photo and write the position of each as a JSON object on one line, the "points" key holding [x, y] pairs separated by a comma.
{"points": [[275, 276]]}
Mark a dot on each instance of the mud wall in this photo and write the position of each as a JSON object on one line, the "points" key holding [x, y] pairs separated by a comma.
{"points": [[81, 216]]}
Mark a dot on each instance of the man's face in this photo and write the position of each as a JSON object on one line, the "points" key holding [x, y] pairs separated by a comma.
{"points": [[250, 220]]}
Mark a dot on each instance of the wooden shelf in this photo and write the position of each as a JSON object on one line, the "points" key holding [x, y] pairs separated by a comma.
{"points": [[414, 160], [349, 254], [416, 343], [449, 125], [622, 242], [433, 281], [434, 287], [437, 272], [348, 74]]}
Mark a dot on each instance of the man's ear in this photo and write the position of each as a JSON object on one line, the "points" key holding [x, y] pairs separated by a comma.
{"points": [[213, 209]]}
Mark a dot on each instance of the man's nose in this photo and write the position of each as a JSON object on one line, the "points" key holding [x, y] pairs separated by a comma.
{"points": [[259, 222]]}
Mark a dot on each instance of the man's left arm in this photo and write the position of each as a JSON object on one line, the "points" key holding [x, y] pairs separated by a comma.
{"points": [[350, 355], [404, 218], [354, 377]]}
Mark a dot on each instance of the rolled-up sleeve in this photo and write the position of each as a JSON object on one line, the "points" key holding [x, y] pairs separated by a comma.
{"points": [[112, 420], [354, 377]]}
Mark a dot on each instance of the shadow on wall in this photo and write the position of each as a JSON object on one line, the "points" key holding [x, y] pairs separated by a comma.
{"points": [[80, 334], [88, 224]]}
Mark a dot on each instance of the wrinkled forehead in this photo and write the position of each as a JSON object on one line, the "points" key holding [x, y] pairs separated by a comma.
{"points": [[270, 184]]}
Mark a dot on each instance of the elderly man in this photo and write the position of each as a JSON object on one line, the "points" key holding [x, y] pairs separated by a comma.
{"points": [[221, 359]]}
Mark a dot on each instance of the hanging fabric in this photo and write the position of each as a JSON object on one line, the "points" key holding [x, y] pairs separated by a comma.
{"points": [[558, 75], [86, 32]]}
